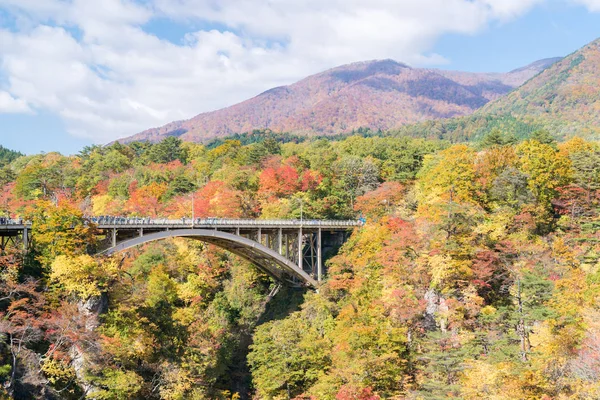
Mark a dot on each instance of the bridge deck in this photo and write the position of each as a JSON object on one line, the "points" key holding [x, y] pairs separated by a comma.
{"points": [[282, 248], [12, 227], [201, 223]]}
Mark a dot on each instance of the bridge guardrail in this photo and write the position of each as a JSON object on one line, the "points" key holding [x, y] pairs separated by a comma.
{"points": [[11, 221], [220, 222], [123, 221]]}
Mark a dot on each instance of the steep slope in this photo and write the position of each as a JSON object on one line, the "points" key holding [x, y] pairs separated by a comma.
{"points": [[376, 94], [565, 98], [494, 85]]}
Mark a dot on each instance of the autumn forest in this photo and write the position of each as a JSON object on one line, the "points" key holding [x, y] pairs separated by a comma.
{"points": [[475, 276]]}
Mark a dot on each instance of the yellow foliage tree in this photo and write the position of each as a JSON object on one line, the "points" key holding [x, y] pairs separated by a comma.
{"points": [[83, 275], [106, 205], [546, 169], [446, 178], [576, 145]]}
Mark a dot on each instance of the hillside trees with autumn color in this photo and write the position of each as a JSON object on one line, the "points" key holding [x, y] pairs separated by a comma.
{"points": [[475, 276]]}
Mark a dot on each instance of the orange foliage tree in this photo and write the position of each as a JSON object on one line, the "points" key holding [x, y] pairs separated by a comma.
{"points": [[381, 200], [147, 200], [217, 199]]}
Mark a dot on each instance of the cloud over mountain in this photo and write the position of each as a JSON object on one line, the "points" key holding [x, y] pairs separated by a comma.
{"points": [[104, 68]]}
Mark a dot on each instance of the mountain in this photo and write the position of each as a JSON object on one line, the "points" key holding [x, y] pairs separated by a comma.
{"points": [[494, 85], [564, 98], [382, 94]]}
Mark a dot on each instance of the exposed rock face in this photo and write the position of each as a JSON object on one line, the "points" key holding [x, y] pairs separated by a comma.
{"points": [[79, 363], [92, 308], [436, 306], [81, 358]]}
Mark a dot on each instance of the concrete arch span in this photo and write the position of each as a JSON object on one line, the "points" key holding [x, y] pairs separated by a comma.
{"points": [[265, 258]]}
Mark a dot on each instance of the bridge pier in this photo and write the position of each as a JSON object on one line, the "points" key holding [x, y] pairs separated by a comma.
{"points": [[319, 256], [279, 234], [25, 238], [287, 247], [300, 249]]}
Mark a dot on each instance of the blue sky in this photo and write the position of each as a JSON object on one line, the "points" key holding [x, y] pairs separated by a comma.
{"points": [[550, 30], [74, 72]]}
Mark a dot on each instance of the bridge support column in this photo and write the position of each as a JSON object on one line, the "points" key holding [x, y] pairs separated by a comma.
{"points": [[300, 249], [319, 258], [237, 231], [259, 238], [25, 239], [279, 244], [114, 237], [141, 232], [287, 246]]}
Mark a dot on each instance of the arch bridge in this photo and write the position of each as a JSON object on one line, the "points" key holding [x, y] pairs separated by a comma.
{"points": [[291, 251]]}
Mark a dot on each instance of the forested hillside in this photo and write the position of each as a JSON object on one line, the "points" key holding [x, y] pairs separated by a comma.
{"points": [[563, 99], [476, 274], [376, 95]]}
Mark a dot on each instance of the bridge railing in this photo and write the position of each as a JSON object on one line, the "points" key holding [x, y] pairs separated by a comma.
{"points": [[121, 221], [223, 222], [11, 221]]}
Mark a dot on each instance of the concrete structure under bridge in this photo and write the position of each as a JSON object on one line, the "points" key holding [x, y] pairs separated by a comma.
{"points": [[291, 251]]}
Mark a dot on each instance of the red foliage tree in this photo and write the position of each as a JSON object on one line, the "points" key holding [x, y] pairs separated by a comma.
{"points": [[278, 181], [10, 202], [576, 202], [380, 201], [351, 393], [310, 180], [217, 199], [147, 200]]}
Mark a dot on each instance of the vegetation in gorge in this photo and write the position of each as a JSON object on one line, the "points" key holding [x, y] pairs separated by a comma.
{"points": [[476, 275]]}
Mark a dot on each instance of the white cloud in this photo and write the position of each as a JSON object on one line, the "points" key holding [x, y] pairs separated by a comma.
{"points": [[10, 105], [93, 64], [592, 5], [508, 9]]}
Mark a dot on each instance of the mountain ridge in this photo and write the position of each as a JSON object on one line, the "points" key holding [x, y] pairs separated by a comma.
{"points": [[378, 94], [564, 98]]}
